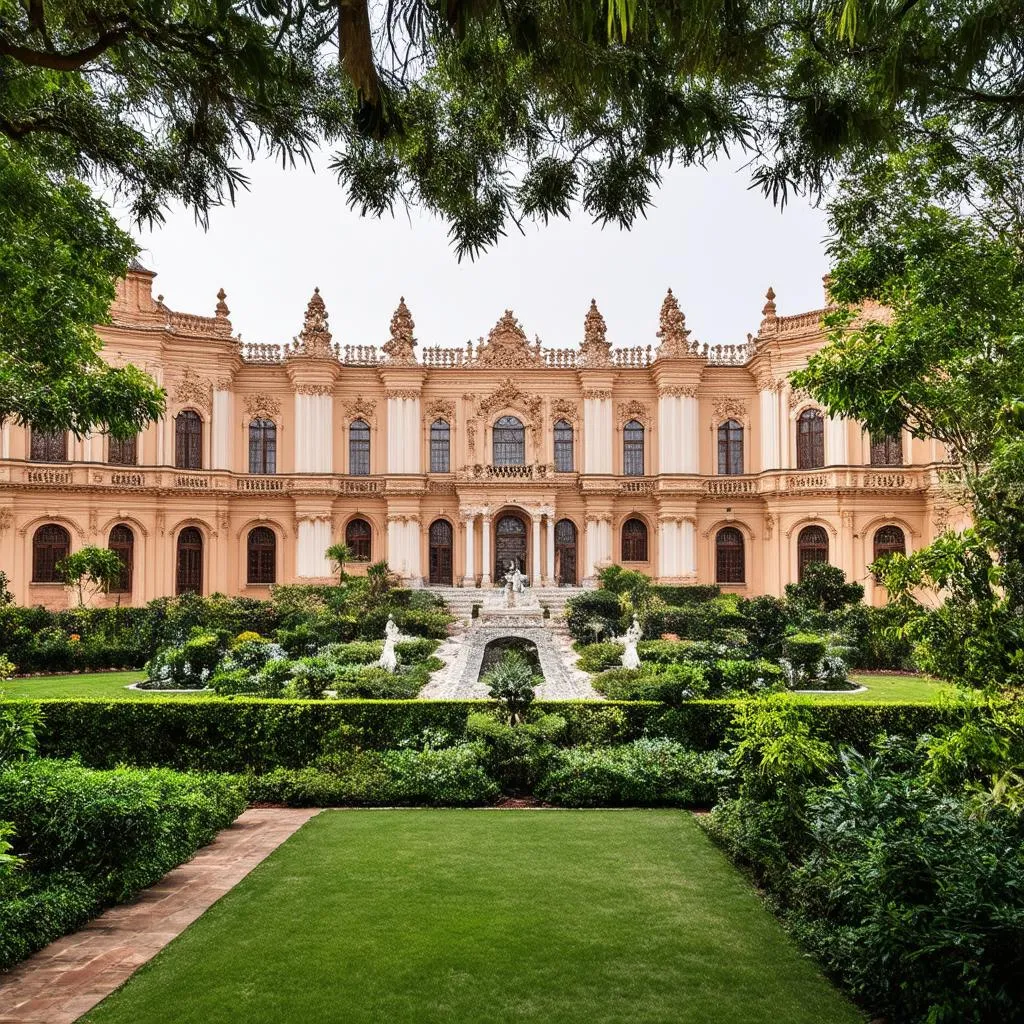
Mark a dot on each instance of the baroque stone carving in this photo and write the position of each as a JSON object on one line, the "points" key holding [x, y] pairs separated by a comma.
{"points": [[633, 410], [565, 409], [769, 525], [315, 339], [224, 384], [400, 346], [507, 347], [222, 312], [679, 391], [361, 409], [797, 396], [672, 330], [6, 520], [508, 394], [401, 393], [596, 394], [262, 406], [314, 389], [194, 390], [729, 409], [440, 409], [596, 349], [471, 438]]}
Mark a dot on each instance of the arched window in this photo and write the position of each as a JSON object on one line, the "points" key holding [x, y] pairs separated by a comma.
{"points": [[887, 451], [811, 546], [889, 540], [810, 440], [261, 555], [359, 448], [262, 446], [730, 448], [563, 446], [48, 446], [188, 440], [440, 447], [50, 543], [634, 541], [633, 449], [440, 569], [122, 542], [509, 442], [565, 553], [123, 451], [729, 563], [357, 539], [189, 575]]}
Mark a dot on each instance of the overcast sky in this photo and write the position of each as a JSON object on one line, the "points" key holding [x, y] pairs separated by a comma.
{"points": [[717, 244]]}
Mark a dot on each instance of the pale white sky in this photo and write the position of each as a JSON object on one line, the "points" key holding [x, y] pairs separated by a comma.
{"points": [[717, 244]]}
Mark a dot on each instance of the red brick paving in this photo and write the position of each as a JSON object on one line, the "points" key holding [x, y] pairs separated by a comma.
{"points": [[70, 976]]}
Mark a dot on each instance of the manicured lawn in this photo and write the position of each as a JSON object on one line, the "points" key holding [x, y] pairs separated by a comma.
{"points": [[99, 684], [884, 689], [571, 917]]}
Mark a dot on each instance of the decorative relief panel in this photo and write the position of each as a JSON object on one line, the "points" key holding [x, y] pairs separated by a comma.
{"points": [[193, 389], [314, 389], [439, 409], [729, 409], [401, 393], [262, 406], [633, 410], [509, 395], [596, 394], [565, 409], [361, 409], [679, 391]]}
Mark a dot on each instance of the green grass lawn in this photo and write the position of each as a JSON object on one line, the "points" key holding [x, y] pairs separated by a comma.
{"points": [[97, 684], [421, 916], [884, 689]]}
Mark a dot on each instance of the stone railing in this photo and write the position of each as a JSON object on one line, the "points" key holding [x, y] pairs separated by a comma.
{"points": [[446, 358], [49, 477], [632, 358], [191, 482], [727, 355], [636, 485], [259, 352], [360, 485], [262, 484], [729, 485], [189, 323], [534, 471]]}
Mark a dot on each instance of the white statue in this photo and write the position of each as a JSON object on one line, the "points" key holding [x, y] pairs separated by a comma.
{"points": [[388, 657], [514, 581], [630, 659]]}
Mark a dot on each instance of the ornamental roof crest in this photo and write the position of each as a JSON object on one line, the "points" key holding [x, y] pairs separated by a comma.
{"points": [[595, 348], [315, 339], [672, 330], [399, 347], [506, 346]]}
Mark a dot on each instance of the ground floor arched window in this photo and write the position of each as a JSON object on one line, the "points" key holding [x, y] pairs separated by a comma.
{"points": [[565, 552], [122, 543], [634, 540], [811, 546], [358, 536], [729, 556], [261, 556], [50, 543], [189, 569], [889, 540], [440, 541]]}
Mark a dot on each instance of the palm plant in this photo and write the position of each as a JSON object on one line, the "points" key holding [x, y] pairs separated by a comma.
{"points": [[511, 683], [339, 554]]}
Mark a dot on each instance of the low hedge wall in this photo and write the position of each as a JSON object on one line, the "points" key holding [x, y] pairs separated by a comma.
{"points": [[248, 734]]}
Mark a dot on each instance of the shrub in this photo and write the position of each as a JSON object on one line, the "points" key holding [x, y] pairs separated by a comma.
{"points": [[675, 652], [671, 684], [18, 724], [515, 754], [766, 620], [644, 773], [596, 657], [823, 588], [189, 666], [731, 676], [683, 595], [804, 652], [369, 681], [704, 621], [593, 614], [311, 676], [355, 652], [511, 683]]}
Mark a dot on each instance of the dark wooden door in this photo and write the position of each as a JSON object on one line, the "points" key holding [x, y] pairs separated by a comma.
{"points": [[441, 553], [565, 552], [509, 545], [190, 562]]}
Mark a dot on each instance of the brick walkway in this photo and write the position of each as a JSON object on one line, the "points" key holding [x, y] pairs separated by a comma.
{"points": [[70, 976]]}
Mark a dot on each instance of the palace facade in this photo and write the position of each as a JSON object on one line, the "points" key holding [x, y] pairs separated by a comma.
{"points": [[690, 462]]}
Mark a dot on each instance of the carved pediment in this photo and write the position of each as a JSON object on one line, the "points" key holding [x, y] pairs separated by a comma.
{"points": [[506, 346], [508, 395], [261, 406], [194, 390]]}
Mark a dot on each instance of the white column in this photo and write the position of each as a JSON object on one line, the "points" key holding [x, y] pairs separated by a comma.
{"points": [[590, 550], [394, 544], [786, 429], [689, 426], [5, 441], [597, 435], [469, 519], [395, 432], [670, 458], [403, 447], [551, 547], [689, 547], [314, 433], [667, 529], [485, 568], [314, 538], [604, 541], [770, 447], [835, 441], [413, 441], [413, 565], [535, 572], [221, 430]]}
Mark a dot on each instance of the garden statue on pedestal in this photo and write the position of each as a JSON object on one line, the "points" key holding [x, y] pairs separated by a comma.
{"points": [[388, 658], [630, 659], [514, 580]]}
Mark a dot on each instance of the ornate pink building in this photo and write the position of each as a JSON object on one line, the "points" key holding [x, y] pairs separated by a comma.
{"points": [[693, 463]]}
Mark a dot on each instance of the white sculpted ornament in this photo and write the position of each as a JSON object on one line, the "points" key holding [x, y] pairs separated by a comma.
{"points": [[514, 581], [388, 657], [630, 659]]}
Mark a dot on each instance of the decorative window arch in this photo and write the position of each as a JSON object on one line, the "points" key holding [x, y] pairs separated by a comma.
{"points": [[359, 448], [889, 540], [261, 555], [123, 451], [633, 450], [887, 450], [730, 448], [122, 542], [730, 564], [358, 539], [48, 446], [50, 543], [810, 439], [811, 546], [440, 447], [634, 540], [508, 442], [188, 440], [262, 446], [189, 569], [563, 446]]}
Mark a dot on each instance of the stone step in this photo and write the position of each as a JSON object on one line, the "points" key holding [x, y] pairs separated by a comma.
{"points": [[460, 600]]}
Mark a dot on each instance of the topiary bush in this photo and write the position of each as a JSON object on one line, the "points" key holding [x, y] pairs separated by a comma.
{"points": [[597, 657], [592, 615], [803, 652], [671, 684]]}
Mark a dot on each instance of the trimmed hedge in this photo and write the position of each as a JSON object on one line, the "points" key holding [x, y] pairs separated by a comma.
{"points": [[253, 735], [695, 593]]}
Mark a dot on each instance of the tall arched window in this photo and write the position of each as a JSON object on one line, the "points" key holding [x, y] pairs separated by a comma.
{"points": [[565, 552], [188, 440], [810, 440], [189, 574], [887, 451], [48, 446], [563, 447], [729, 562], [634, 541], [509, 442], [440, 541], [50, 543], [730, 448], [633, 448], [122, 542], [811, 546], [261, 555], [889, 540], [357, 539], [440, 447], [262, 446], [359, 448], [123, 451]]}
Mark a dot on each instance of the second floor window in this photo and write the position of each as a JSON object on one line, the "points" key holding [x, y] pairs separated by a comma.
{"points": [[46, 446], [730, 448], [440, 447], [810, 440], [262, 447], [123, 452], [509, 442], [188, 440], [359, 448], [887, 451], [633, 449], [563, 447]]}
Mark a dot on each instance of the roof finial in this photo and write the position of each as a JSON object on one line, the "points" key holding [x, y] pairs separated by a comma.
{"points": [[769, 321], [315, 338], [672, 331], [595, 350], [222, 306], [399, 347]]}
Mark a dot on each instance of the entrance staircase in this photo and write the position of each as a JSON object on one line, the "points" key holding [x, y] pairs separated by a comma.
{"points": [[460, 600]]}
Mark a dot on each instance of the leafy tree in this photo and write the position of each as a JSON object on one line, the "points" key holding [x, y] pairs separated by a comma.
{"points": [[823, 588], [90, 570]]}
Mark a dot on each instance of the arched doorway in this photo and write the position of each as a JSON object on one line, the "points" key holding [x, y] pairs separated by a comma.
{"points": [[441, 553], [190, 562], [565, 553], [509, 544]]}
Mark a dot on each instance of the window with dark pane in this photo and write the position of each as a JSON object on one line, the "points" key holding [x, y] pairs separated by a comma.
{"points": [[440, 447], [563, 447], [730, 448], [887, 451], [50, 543], [634, 541], [508, 442], [811, 546], [48, 446], [262, 446], [122, 542], [810, 440], [359, 448], [633, 449], [189, 574], [261, 555], [889, 540], [357, 539], [188, 440], [123, 451], [729, 561]]}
